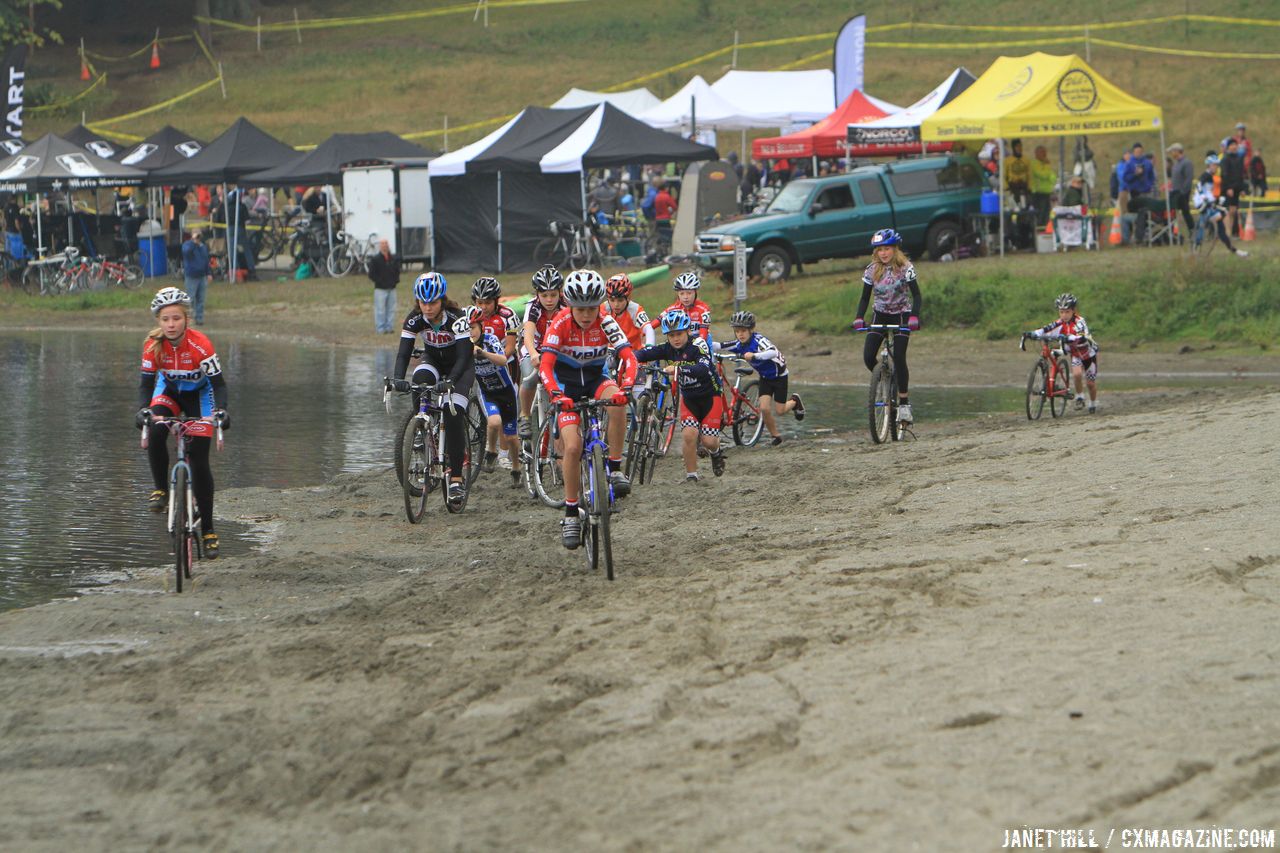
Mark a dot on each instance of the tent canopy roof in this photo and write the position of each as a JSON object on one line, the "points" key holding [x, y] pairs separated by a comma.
{"points": [[323, 164], [100, 145], [783, 97], [712, 111], [1040, 95], [239, 150], [633, 101], [53, 163], [165, 147], [946, 92], [824, 138]]}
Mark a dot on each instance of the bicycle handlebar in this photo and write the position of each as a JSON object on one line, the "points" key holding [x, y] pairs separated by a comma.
{"points": [[180, 421], [871, 326]]}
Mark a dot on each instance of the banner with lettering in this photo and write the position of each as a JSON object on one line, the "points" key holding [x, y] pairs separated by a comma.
{"points": [[847, 58], [15, 63]]}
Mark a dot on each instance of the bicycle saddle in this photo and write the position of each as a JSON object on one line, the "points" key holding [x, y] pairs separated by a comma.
{"points": [[743, 371]]}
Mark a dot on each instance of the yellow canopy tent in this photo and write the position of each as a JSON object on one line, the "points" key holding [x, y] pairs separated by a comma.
{"points": [[1040, 95]]}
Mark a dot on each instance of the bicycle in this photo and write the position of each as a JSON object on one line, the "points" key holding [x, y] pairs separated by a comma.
{"points": [[597, 501], [570, 246], [742, 413], [543, 464], [310, 244], [53, 274], [882, 402], [420, 460], [115, 273], [1048, 380], [184, 516], [644, 433], [273, 234], [347, 253]]}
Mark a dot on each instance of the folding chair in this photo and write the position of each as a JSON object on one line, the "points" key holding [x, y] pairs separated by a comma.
{"points": [[1160, 225], [1072, 228]]}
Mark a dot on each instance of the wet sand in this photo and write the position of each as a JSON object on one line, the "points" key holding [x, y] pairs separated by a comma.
{"points": [[836, 645]]}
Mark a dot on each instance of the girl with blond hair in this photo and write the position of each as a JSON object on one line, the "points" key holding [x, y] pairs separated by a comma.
{"points": [[892, 280]]}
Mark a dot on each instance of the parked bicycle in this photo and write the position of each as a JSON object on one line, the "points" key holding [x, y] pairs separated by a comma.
{"points": [[882, 402], [421, 464], [184, 517], [742, 413], [53, 274], [348, 253], [115, 274], [1048, 380], [272, 234], [570, 246], [310, 244]]}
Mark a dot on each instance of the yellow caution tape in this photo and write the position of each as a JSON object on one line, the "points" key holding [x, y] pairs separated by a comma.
{"points": [[154, 107], [205, 50], [139, 52], [813, 57], [114, 134], [1173, 51], [44, 108], [951, 45], [475, 125], [326, 23]]}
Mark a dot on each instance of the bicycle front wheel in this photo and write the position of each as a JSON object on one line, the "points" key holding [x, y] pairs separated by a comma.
{"points": [[131, 279], [1058, 392], [477, 432], [601, 546], [639, 413], [545, 253], [881, 405], [670, 418], [417, 450], [1037, 389], [340, 260], [748, 421], [181, 531]]}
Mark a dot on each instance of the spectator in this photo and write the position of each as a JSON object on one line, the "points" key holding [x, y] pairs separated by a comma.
{"points": [[313, 202], [1258, 174], [195, 273], [1244, 147], [650, 196], [1233, 184], [204, 200], [1139, 175], [664, 208], [605, 196], [751, 177], [1119, 197], [261, 203], [384, 272], [1074, 195], [1181, 180], [733, 161], [1017, 173], [238, 227], [1042, 182]]}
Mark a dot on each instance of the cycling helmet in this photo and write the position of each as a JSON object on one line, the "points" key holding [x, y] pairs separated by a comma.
{"points": [[885, 237], [675, 321], [547, 278], [687, 281], [429, 287], [584, 289], [743, 320], [618, 287], [486, 288], [1066, 300], [475, 315], [169, 296], [1212, 160]]}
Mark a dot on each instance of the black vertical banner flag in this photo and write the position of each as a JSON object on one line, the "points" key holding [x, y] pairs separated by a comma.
{"points": [[14, 70]]}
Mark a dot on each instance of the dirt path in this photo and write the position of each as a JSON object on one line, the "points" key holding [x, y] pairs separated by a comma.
{"points": [[836, 645]]}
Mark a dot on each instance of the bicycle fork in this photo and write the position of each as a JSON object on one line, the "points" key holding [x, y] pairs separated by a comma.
{"points": [[190, 520]]}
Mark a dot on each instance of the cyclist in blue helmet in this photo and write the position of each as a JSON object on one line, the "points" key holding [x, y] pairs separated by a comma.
{"points": [[447, 354], [892, 280]]}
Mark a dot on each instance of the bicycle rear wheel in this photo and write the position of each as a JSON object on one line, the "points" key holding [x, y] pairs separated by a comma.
{"points": [[649, 447], [1059, 393], [340, 260], [748, 422], [548, 479], [881, 406], [181, 532], [635, 435], [131, 278], [477, 430], [1037, 389], [549, 251], [670, 418], [417, 467]]}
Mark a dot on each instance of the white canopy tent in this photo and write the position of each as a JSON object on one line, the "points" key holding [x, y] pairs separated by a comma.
{"points": [[632, 101], [797, 96], [696, 103]]}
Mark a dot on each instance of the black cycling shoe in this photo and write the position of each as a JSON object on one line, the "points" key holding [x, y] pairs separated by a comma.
{"points": [[571, 532], [517, 478], [457, 493], [798, 411], [717, 463], [621, 485], [777, 439], [158, 501], [524, 428], [490, 461], [209, 545]]}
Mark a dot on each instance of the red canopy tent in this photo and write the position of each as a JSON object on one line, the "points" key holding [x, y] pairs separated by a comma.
{"points": [[827, 138]]}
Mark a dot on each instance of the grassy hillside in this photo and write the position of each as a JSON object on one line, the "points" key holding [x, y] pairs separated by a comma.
{"points": [[408, 76]]}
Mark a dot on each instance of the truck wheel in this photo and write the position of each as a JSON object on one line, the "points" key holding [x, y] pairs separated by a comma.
{"points": [[942, 238], [771, 263]]}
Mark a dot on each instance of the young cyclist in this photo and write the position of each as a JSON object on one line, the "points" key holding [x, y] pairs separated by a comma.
{"points": [[496, 391], [1079, 344], [574, 351], [686, 287], [892, 279], [181, 375], [631, 316], [772, 367], [701, 404], [503, 323], [446, 341], [546, 304]]}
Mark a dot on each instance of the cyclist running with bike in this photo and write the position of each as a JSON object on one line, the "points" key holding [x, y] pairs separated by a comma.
{"points": [[892, 280], [495, 390], [766, 358], [1073, 332], [686, 287], [574, 354], [701, 403], [547, 302], [181, 375], [447, 354], [503, 323]]}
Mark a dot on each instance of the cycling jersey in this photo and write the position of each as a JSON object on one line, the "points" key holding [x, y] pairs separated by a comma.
{"points": [[504, 322], [1080, 343], [634, 322], [540, 317], [895, 290], [446, 345], [768, 361], [574, 358], [189, 366], [697, 374], [489, 376], [699, 314]]}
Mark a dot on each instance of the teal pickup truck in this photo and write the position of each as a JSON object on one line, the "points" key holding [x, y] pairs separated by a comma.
{"points": [[927, 200]]}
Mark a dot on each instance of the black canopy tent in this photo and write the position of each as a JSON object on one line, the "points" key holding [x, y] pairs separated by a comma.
{"points": [[52, 164], [492, 200], [167, 147], [323, 164], [96, 143], [239, 150]]}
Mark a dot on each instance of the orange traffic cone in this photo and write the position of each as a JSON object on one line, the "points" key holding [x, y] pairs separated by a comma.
{"points": [[155, 55], [1249, 231], [1115, 238], [84, 69]]}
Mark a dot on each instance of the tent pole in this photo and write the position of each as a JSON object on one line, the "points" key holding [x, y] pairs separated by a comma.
{"points": [[1168, 217], [1000, 148], [499, 221], [328, 212]]}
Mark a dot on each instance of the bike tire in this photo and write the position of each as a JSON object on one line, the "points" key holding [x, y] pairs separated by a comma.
{"points": [[477, 433], [880, 406], [406, 428], [545, 252], [268, 242], [635, 435], [340, 261], [30, 280], [1037, 389], [547, 477], [601, 509], [181, 533], [748, 420], [649, 449], [670, 418], [417, 462], [1059, 393]]}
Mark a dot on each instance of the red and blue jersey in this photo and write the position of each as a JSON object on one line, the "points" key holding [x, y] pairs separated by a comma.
{"points": [[577, 357]]}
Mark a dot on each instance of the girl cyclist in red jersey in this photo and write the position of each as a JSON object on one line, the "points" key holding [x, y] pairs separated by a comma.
{"points": [[892, 280], [631, 316], [1080, 346], [494, 388], [546, 304], [181, 375]]}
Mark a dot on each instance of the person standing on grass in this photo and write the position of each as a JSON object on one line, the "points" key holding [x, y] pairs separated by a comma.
{"points": [[195, 273], [1232, 168], [1181, 178], [1043, 179], [384, 272]]}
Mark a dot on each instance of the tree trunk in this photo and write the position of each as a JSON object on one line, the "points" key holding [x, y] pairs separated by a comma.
{"points": [[202, 27]]}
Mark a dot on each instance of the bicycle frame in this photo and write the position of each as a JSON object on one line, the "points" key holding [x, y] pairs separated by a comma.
{"points": [[180, 426], [884, 364]]}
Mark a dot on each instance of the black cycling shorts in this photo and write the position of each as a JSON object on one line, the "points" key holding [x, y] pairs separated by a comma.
{"points": [[775, 388]]}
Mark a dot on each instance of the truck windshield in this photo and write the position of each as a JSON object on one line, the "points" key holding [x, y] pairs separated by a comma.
{"points": [[791, 199]]}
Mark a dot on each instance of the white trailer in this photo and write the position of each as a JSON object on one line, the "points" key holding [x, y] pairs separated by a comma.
{"points": [[391, 198]]}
